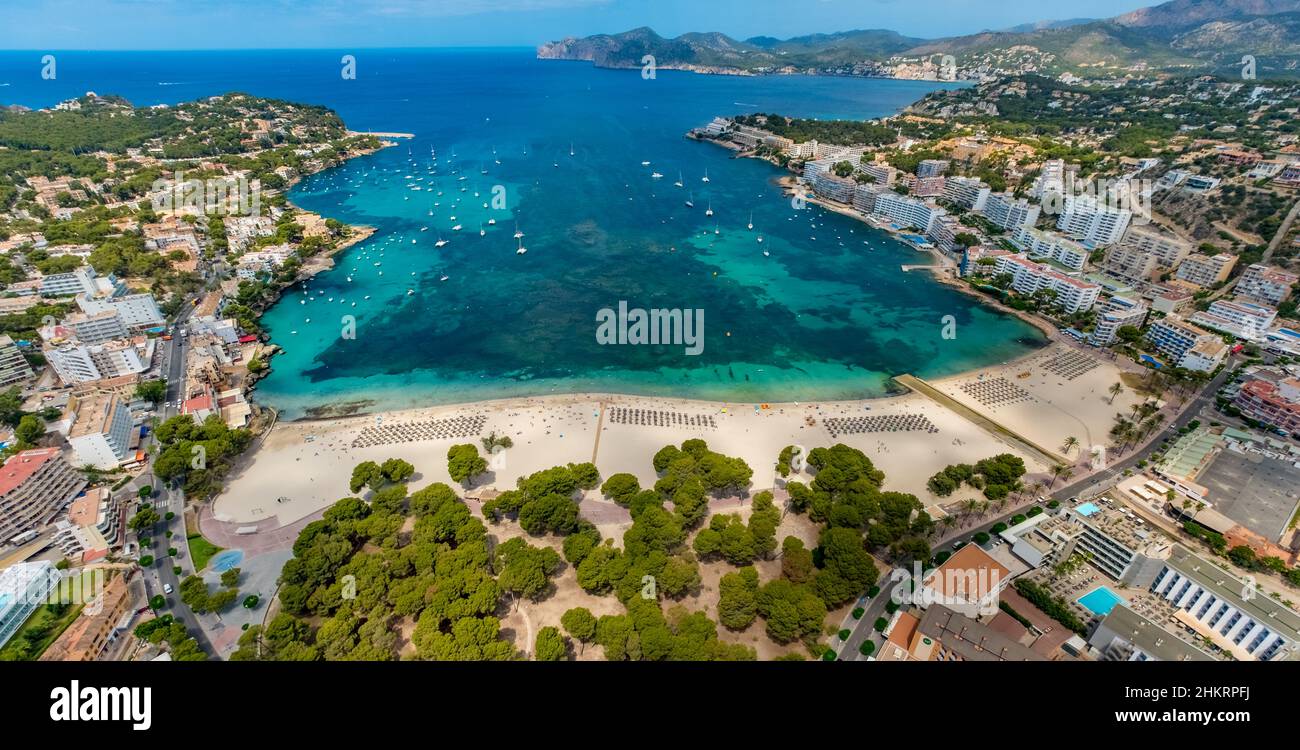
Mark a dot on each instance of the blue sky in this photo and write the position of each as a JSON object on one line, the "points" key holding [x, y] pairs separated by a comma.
{"points": [[224, 24]]}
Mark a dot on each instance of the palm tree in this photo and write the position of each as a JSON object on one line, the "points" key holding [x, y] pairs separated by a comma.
{"points": [[1115, 389], [1057, 470], [1070, 442]]}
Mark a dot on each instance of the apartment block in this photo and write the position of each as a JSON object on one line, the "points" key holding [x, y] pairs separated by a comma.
{"points": [[1245, 320], [1060, 249], [96, 328], [101, 624], [1186, 345], [1010, 213], [1116, 314], [907, 212], [78, 363], [1274, 403], [137, 311], [1145, 253], [931, 167], [1204, 270], [1265, 284], [1210, 600], [1092, 221], [35, 485], [13, 365], [831, 187], [966, 192], [100, 435], [1028, 277]]}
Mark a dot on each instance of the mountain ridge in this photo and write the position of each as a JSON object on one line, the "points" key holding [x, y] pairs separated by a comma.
{"points": [[1177, 36]]}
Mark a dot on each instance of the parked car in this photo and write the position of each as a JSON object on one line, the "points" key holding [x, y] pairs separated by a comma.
{"points": [[167, 588]]}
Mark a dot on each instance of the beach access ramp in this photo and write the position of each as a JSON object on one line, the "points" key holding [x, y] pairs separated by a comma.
{"points": [[983, 421]]}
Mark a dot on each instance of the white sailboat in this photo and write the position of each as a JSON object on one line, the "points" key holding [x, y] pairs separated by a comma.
{"points": [[518, 234], [521, 249], [690, 201], [481, 231], [570, 148], [679, 179], [440, 243], [705, 178], [709, 210], [751, 220], [655, 176]]}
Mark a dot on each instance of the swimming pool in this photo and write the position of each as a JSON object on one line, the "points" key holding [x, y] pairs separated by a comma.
{"points": [[1087, 509], [226, 559], [1100, 601]]}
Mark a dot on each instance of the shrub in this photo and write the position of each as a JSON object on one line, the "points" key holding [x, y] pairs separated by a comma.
{"points": [[867, 648], [858, 612], [844, 634], [146, 561], [981, 538], [881, 623]]}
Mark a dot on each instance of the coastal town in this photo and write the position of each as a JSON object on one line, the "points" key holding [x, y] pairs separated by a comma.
{"points": [[1129, 491]]}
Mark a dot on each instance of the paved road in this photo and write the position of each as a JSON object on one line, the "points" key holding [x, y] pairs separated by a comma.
{"points": [[168, 499], [1086, 487]]}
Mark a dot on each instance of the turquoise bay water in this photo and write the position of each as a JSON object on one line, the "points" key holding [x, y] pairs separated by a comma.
{"points": [[828, 313]]}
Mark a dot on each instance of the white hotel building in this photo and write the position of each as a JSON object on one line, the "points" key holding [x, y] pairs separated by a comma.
{"points": [[1117, 313], [1084, 217], [101, 432], [1009, 213], [1211, 602], [966, 192], [78, 363], [1245, 320], [907, 212], [137, 311], [1061, 249], [1028, 277]]}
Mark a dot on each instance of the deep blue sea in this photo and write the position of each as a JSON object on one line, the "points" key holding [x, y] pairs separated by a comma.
{"points": [[820, 309]]}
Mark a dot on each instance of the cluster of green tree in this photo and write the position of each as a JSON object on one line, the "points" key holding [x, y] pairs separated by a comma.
{"points": [[440, 576], [731, 539], [377, 476], [998, 477], [842, 132], [908, 161], [182, 646], [16, 165], [1053, 606], [196, 595], [647, 633], [690, 473], [786, 458], [198, 454], [543, 501], [464, 463], [21, 326], [846, 493]]}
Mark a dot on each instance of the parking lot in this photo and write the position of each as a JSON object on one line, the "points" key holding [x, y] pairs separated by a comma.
{"points": [[1257, 492]]}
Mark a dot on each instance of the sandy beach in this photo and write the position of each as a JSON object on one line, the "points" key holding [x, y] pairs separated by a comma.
{"points": [[1061, 391]]}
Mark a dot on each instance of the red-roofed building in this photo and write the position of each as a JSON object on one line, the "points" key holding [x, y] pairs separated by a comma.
{"points": [[34, 486], [1276, 404], [968, 582]]}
